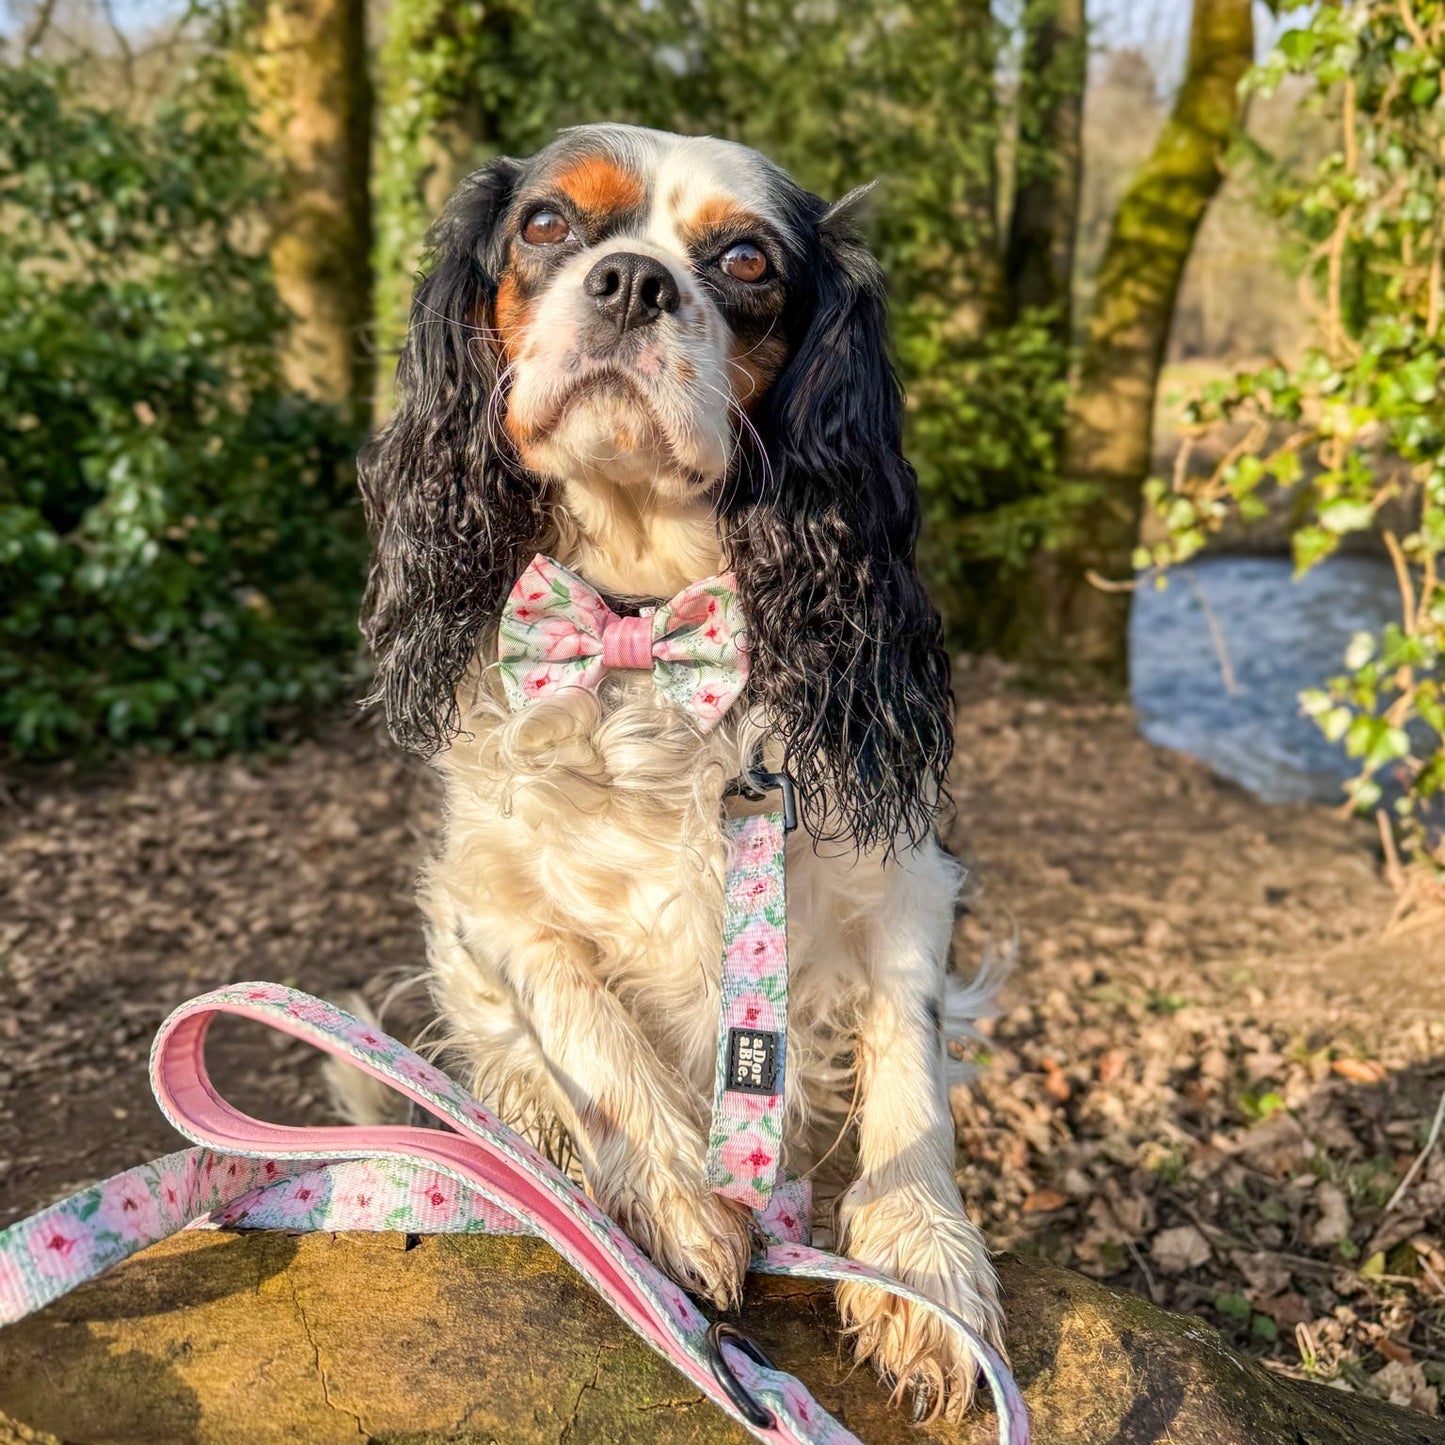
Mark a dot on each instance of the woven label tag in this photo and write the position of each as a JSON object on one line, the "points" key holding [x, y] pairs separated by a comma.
{"points": [[753, 1061]]}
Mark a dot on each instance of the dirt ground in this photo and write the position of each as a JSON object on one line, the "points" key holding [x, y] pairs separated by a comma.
{"points": [[1210, 1072]]}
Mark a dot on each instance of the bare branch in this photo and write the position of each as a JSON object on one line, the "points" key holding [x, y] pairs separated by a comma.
{"points": [[35, 31]]}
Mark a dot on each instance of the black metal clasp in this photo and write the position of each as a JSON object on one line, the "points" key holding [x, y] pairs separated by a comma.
{"points": [[757, 783], [752, 1410]]}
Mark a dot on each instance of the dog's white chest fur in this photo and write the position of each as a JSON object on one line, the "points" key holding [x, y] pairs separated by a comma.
{"points": [[592, 832]]}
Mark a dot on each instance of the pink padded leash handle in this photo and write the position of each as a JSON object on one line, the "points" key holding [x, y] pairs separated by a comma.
{"points": [[484, 1155], [482, 1178]]}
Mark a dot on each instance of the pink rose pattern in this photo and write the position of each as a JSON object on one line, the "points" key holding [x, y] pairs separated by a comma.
{"points": [[787, 1217], [550, 637], [79, 1237], [745, 1142]]}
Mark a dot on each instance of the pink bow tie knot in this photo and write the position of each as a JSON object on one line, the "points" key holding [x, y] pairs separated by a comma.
{"points": [[556, 631], [627, 642]]}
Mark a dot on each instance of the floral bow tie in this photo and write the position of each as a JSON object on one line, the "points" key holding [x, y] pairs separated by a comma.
{"points": [[557, 632]]}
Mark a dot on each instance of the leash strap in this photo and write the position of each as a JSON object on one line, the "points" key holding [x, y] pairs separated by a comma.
{"points": [[745, 1141], [480, 1178]]}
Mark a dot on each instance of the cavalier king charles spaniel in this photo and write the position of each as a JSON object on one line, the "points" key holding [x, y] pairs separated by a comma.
{"points": [[655, 358]]}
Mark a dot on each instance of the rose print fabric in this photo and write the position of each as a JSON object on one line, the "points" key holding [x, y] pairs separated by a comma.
{"points": [[475, 1176], [557, 632], [745, 1142], [787, 1217], [85, 1235]]}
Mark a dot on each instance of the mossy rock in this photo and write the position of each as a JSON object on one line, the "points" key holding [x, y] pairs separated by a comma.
{"points": [[258, 1339]]}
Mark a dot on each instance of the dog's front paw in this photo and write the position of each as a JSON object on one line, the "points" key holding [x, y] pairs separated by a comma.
{"points": [[929, 1243], [697, 1237]]}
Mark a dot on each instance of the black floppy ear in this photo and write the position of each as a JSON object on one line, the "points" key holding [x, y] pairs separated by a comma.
{"points": [[453, 516], [847, 650]]}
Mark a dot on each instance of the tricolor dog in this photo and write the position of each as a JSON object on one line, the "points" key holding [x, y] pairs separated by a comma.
{"points": [[648, 371]]}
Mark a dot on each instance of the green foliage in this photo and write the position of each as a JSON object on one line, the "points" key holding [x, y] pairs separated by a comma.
{"points": [[1359, 422], [909, 97], [179, 548], [986, 415]]}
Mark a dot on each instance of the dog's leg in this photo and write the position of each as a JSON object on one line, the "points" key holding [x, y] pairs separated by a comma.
{"points": [[903, 1214], [640, 1145]]}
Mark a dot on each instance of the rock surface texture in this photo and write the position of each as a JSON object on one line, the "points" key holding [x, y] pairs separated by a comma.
{"points": [[258, 1339]]}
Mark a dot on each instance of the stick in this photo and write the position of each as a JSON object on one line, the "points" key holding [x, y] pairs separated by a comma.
{"points": [[1420, 1158], [1393, 871]]}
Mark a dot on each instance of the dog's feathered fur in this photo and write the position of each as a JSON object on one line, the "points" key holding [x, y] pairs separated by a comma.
{"points": [[574, 910]]}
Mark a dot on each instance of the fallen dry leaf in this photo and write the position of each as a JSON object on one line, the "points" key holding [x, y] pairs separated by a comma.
{"points": [[1044, 1201], [1404, 1384], [1333, 1222], [1183, 1247], [1287, 1310], [1360, 1071], [1055, 1082], [1401, 1354]]}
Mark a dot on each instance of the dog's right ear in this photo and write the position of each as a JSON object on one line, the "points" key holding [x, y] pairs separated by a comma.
{"points": [[453, 516]]}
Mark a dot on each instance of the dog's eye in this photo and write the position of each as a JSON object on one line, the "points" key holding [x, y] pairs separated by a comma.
{"points": [[743, 262], [545, 228]]}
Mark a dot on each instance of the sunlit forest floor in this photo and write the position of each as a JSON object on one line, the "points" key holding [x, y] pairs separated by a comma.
{"points": [[1211, 1068], [1210, 1071]]}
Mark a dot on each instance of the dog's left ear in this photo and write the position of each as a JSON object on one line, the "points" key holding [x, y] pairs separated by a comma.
{"points": [[847, 650], [453, 516]]}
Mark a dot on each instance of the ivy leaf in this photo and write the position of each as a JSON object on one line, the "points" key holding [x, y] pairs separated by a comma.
{"points": [[1311, 545], [1343, 515]]}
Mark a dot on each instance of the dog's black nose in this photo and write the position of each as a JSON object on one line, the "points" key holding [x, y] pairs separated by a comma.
{"points": [[631, 290]]}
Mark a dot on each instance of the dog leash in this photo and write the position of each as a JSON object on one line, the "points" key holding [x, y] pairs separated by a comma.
{"points": [[745, 1137], [477, 1176]]}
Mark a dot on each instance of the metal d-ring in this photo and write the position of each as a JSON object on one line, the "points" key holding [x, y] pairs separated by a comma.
{"points": [[749, 1407]]}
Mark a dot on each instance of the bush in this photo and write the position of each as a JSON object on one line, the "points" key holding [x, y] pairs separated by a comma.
{"points": [[180, 548]]}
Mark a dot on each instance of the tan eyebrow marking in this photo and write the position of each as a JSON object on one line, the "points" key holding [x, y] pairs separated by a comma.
{"points": [[600, 187], [716, 214]]}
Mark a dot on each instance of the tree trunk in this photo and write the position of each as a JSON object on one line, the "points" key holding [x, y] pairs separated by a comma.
{"points": [[1039, 260], [308, 76], [260, 1339], [1067, 622], [433, 129]]}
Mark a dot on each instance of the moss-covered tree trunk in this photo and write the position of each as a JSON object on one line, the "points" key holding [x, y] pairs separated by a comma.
{"points": [[307, 73], [307, 70], [1039, 260], [433, 127], [1064, 620]]}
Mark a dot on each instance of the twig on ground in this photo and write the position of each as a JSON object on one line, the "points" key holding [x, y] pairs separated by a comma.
{"points": [[1145, 1271], [1420, 1158], [1215, 1235], [1435, 1280], [1393, 870]]}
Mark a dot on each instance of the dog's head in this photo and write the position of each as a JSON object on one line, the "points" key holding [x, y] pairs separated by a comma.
{"points": [[641, 286], [667, 320]]}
